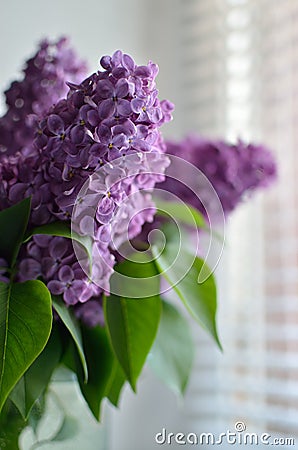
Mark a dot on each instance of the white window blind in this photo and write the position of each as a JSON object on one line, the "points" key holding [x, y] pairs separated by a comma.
{"points": [[243, 61]]}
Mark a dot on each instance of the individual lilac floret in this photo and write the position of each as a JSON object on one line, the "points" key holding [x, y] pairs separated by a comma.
{"points": [[43, 84], [234, 170], [68, 284]]}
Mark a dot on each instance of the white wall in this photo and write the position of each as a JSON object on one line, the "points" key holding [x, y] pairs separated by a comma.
{"points": [[95, 27], [146, 30]]}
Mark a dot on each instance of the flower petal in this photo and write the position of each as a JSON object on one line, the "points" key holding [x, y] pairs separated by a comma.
{"points": [[122, 88], [77, 134], [55, 124], [106, 109], [123, 108], [58, 247], [105, 89], [65, 274], [56, 287]]}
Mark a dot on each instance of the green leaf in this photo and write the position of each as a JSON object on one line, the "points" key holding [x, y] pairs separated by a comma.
{"points": [[172, 353], [136, 277], [13, 224], [62, 229], [69, 357], [25, 326], [71, 323], [132, 325], [185, 214], [52, 229], [116, 383], [180, 211], [11, 426], [100, 361], [68, 429], [181, 269], [132, 322], [36, 379]]}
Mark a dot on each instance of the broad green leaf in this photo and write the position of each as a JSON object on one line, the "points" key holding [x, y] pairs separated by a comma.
{"points": [[25, 326], [185, 214], [100, 360], [62, 229], [13, 224], [36, 379], [181, 269], [132, 325], [68, 429], [172, 353], [136, 277], [11, 426], [132, 322], [72, 325], [180, 211], [116, 383], [69, 357]]}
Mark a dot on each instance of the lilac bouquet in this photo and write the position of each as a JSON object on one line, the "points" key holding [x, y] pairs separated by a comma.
{"points": [[79, 161], [82, 159]]}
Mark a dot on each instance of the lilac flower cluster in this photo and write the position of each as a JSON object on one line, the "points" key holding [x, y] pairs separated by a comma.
{"points": [[103, 138], [53, 260], [44, 83], [234, 170]]}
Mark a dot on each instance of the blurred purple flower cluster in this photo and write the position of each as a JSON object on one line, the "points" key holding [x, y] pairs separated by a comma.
{"points": [[234, 170], [43, 84], [103, 137]]}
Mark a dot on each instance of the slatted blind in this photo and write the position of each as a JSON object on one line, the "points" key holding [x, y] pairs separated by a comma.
{"points": [[279, 114], [242, 59]]}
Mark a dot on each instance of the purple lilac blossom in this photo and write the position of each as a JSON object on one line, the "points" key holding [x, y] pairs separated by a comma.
{"points": [[234, 170], [43, 84], [91, 313], [106, 127]]}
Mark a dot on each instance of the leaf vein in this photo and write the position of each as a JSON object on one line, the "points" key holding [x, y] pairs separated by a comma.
{"points": [[127, 333]]}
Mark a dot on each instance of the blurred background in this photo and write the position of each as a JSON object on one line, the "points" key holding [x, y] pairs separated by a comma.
{"points": [[231, 68]]}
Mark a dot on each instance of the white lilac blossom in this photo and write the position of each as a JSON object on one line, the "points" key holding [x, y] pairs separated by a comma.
{"points": [[43, 84], [99, 136], [234, 170]]}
